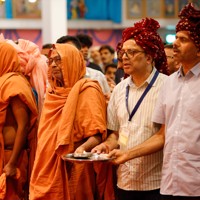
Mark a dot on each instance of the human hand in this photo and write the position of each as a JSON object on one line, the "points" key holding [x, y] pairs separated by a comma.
{"points": [[80, 150], [10, 170], [101, 148], [120, 156]]}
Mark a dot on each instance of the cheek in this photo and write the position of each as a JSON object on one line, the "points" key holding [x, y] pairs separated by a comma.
{"points": [[135, 62], [49, 70], [49, 73]]}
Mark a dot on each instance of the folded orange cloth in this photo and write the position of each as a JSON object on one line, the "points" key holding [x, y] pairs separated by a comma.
{"points": [[2, 186], [3, 183]]}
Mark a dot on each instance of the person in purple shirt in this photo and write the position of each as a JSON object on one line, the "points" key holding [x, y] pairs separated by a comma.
{"points": [[178, 113]]}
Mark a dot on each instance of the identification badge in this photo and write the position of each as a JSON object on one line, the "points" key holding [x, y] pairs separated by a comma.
{"points": [[123, 136]]}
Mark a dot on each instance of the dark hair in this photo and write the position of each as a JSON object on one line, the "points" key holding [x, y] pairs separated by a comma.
{"points": [[69, 38], [47, 46], [113, 65], [108, 47], [168, 46], [85, 40]]}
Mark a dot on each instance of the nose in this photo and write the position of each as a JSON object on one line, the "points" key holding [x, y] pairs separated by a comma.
{"points": [[175, 43], [124, 55]]}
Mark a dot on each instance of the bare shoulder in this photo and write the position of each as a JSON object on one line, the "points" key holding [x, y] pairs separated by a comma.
{"points": [[16, 102]]}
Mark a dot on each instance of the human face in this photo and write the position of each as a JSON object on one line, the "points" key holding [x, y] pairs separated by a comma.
{"points": [[134, 59], [172, 64], [119, 60], [185, 51], [55, 75], [106, 56], [110, 73], [85, 51], [95, 55], [45, 52]]}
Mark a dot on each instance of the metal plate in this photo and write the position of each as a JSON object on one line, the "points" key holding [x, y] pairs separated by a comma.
{"points": [[92, 158], [82, 155]]}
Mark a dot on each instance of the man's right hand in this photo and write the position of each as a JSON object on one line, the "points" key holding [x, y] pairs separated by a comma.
{"points": [[101, 148]]}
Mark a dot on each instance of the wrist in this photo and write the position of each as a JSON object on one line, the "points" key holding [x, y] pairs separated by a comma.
{"points": [[11, 163]]}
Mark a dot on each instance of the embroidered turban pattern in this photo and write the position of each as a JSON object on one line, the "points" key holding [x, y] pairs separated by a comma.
{"points": [[145, 34], [190, 21]]}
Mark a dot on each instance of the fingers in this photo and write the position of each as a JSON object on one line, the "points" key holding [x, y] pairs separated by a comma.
{"points": [[113, 153], [11, 172], [79, 150], [107, 149], [95, 150], [102, 148]]}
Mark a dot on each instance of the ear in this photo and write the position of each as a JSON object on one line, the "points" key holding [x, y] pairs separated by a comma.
{"points": [[198, 53], [149, 59]]}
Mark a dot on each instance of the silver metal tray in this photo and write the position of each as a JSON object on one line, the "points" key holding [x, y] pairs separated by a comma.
{"points": [[92, 157]]}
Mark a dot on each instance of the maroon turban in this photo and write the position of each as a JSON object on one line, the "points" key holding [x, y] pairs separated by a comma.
{"points": [[145, 35], [119, 46], [190, 21]]}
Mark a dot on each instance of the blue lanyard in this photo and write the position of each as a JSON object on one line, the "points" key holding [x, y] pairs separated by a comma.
{"points": [[141, 98]]}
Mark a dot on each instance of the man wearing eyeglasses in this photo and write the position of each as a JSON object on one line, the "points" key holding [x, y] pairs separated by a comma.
{"points": [[130, 110]]}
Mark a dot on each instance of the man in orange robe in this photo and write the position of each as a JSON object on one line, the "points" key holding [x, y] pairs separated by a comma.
{"points": [[73, 118], [18, 124]]}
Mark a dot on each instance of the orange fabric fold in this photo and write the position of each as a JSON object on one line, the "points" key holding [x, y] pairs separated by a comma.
{"points": [[2, 186], [93, 181], [89, 113]]}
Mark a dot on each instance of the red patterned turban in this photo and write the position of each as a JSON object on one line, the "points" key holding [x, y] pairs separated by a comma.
{"points": [[190, 21], [145, 34], [119, 46]]}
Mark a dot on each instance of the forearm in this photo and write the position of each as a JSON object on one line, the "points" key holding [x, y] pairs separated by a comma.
{"points": [[19, 144], [152, 145], [21, 114], [112, 141], [92, 142]]}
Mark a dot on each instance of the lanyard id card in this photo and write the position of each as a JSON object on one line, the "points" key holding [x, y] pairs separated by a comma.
{"points": [[123, 136]]}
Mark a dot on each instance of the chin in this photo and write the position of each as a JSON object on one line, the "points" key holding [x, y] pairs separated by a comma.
{"points": [[127, 71]]}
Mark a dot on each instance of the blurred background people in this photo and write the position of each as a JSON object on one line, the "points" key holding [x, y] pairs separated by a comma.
{"points": [[173, 65], [107, 55], [69, 40], [45, 49], [95, 56], [110, 71], [119, 76], [86, 42]]}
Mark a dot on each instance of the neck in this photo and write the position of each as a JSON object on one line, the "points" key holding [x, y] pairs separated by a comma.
{"points": [[139, 78]]}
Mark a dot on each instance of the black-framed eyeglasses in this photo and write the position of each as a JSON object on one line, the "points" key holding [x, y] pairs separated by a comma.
{"points": [[129, 52], [56, 59]]}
